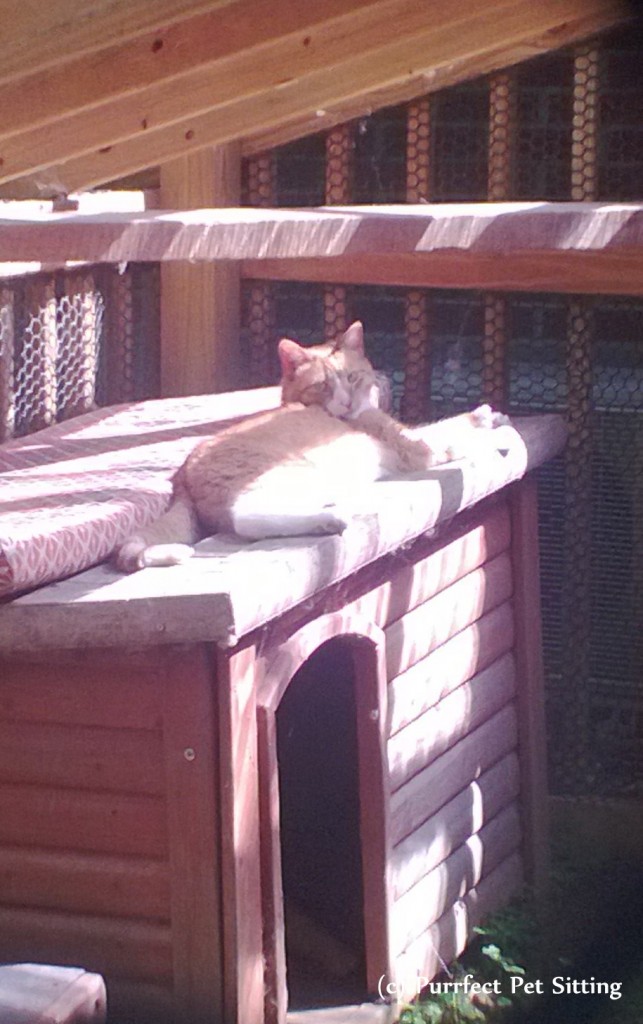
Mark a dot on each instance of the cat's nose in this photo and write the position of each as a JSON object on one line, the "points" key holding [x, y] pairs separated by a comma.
{"points": [[340, 403], [336, 407]]}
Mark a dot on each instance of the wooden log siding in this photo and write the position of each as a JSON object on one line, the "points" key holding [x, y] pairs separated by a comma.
{"points": [[85, 883], [431, 569], [444, 778], [127, 948], [450, 720], [77, 757], [453, 778], [445, 940], [455, 662], [465, 868], [426, 627], [104, 855], [62, 819], [458, 819], [453, 730]]}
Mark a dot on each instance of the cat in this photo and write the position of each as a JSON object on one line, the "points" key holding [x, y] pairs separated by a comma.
{"points": [[284, 472]]}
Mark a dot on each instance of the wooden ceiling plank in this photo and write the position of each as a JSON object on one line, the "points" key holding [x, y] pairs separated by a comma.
{"points": [[160, 56], [486, 229], [412, 60], [39, 35], [248, 71]]}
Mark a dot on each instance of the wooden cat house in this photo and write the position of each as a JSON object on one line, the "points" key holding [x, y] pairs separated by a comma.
{"points": [[283, 769], [304, 766]]}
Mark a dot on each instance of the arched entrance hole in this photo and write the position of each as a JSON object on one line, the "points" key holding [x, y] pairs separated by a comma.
{"points": [[321, 854]]}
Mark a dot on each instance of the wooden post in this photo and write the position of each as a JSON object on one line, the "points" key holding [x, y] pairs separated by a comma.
{"points": [[371, 694], [530, 692], [240, 857], [272, 902], [200, 302], [191, 772]]}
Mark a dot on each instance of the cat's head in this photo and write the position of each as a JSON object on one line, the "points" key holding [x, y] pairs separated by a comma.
{"points": [[336, 375]]}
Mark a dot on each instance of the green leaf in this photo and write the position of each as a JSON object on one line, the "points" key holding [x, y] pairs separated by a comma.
{"points": [[512, 968]]}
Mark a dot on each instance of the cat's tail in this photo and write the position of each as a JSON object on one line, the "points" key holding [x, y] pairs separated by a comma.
{"points": [[167, 541]]}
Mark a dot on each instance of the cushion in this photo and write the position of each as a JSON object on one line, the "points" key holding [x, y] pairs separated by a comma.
{"points": [[45, 994], [70, 493]]}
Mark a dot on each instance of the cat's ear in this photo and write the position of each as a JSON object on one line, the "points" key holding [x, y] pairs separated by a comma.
{"points": [[291, 356], [353, 339]]}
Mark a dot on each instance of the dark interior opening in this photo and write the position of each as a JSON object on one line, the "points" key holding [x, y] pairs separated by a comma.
{"points": [[320, 833]]}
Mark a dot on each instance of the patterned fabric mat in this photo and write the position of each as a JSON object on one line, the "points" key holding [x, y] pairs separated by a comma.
{"points": [[69, 494]]}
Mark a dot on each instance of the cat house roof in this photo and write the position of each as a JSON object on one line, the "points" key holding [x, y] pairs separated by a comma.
{"points": [[231, 588], [95, 92]]}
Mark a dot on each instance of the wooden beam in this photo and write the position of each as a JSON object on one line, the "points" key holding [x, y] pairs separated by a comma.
{"points": [[37, 36], [86, 202], [200, 320], [430, 80], [76, 83], [280, 47], [586, 247], [364, 58], [585, 273]]}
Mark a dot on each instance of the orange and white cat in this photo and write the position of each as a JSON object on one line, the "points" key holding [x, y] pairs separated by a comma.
{"points": [[286, 472]]}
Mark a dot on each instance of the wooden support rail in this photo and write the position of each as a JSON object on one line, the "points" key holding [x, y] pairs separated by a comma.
{"points": [[577, 247]]}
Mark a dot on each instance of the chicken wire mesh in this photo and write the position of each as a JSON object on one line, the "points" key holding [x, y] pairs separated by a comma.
{"points": [[72, 340], [564, 126]]}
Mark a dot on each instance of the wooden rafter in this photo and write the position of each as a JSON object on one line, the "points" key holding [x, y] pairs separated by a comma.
{"points": [[37, 36], [427, 80], [159, 57], [170, 78], [204, 102]]}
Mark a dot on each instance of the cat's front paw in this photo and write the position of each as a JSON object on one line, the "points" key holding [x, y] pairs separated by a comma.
{"points": [[165, 555], [137, 554], [419, 454], [129, 556], [331, 520], [487, 418]]}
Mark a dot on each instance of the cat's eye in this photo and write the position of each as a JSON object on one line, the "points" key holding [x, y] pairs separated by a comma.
{"points": [[315, 392]]}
